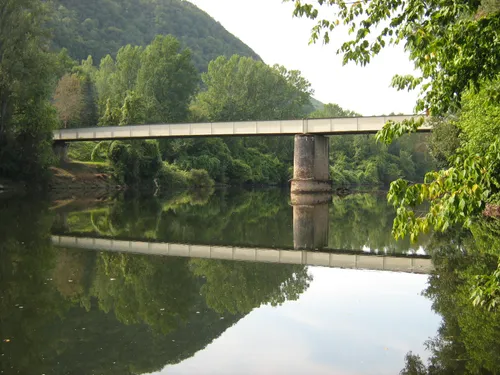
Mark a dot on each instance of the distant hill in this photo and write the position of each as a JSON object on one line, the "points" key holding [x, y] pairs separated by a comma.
{"points": [[99, 27]]}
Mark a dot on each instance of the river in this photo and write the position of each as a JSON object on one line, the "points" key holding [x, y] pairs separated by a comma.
{"points": [[234, 282]]}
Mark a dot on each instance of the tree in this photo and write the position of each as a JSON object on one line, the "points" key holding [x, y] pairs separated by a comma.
{"points": [[468, 339], [89, 115], [167, 80], [332, 110], [103, 81], [457, 194], [453, 44], [26, 84], [242, 89], [68, 99], [413, 365]]}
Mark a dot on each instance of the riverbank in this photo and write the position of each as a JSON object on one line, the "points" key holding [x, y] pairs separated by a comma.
{"points": [[73, 175]]}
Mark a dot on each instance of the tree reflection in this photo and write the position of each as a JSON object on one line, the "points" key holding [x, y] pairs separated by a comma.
{"points": [[81, 312], [468, 340], [238, 287], [361, 221], [258, 218]]}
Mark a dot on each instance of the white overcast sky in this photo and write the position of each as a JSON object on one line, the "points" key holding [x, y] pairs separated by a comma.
{"points": [[267, 26], [348, 322]]}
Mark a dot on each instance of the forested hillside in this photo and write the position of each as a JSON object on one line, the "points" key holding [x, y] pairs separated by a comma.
{"points": [[101, 27]]}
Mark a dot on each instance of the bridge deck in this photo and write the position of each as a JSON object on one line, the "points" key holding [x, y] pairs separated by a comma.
{"points": [[313, 258], [329, 126]]}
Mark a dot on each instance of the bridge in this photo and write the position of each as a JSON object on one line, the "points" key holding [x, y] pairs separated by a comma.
{"points": [[326, 126], [311, 169], [333, 259]]}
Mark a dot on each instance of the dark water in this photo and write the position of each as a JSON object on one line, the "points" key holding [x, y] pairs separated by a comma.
{"points": [[136, 286]]}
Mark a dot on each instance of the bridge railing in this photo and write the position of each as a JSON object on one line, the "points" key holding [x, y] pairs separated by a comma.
{"points": [[349, 125]]}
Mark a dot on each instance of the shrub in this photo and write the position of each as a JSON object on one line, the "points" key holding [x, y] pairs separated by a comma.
{"points": [[200, 178], [239, 172]]}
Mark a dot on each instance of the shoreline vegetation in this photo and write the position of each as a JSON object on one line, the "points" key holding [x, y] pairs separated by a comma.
{"points": [[84, 75]]}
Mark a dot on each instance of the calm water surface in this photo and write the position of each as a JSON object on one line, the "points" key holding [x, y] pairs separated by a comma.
{"points": [[144, 285]]}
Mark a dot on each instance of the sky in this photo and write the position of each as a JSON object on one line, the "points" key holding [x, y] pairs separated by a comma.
{"points": [[347, 322], [267, 26]]}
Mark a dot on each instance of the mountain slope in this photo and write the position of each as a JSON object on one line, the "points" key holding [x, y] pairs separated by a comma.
{"points": [[99, 27]]}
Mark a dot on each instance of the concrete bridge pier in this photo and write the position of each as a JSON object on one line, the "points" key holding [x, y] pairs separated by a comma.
{"points": [[61, 150], [310, 221], [310, 166]]}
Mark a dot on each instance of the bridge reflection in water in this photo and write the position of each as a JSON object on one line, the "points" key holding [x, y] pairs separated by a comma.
{"points": [[310, 234], [337, 259]]}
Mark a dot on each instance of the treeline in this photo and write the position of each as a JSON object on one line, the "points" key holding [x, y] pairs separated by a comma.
{"points": [[361, 160], [160, 82], [102, 27]]}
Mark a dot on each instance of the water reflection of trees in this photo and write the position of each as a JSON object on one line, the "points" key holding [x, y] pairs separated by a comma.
{"points": [[246, 218], [253, 218], [238, 287], [468, 340], [361, 221], [80, 312]]}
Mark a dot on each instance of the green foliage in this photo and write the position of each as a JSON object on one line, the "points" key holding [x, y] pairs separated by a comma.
{"points": [[98, 28], [458, 194], [26, 82], [154, 84], [332, 110], [86, 151], [171, 177], [166, 80], [240, 172], [444, 140], [200, 178], [393, 130], [487, 291], [486, 287], [413, 365], [86, 72], [360, 160], [453, 44], [468, 339], [134, 162], [480, 118], [242, 89], [149, 85]]}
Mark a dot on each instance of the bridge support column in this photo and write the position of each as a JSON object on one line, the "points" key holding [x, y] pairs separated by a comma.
{"points": [[61, 150], [310, 170], [310, 221]]}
